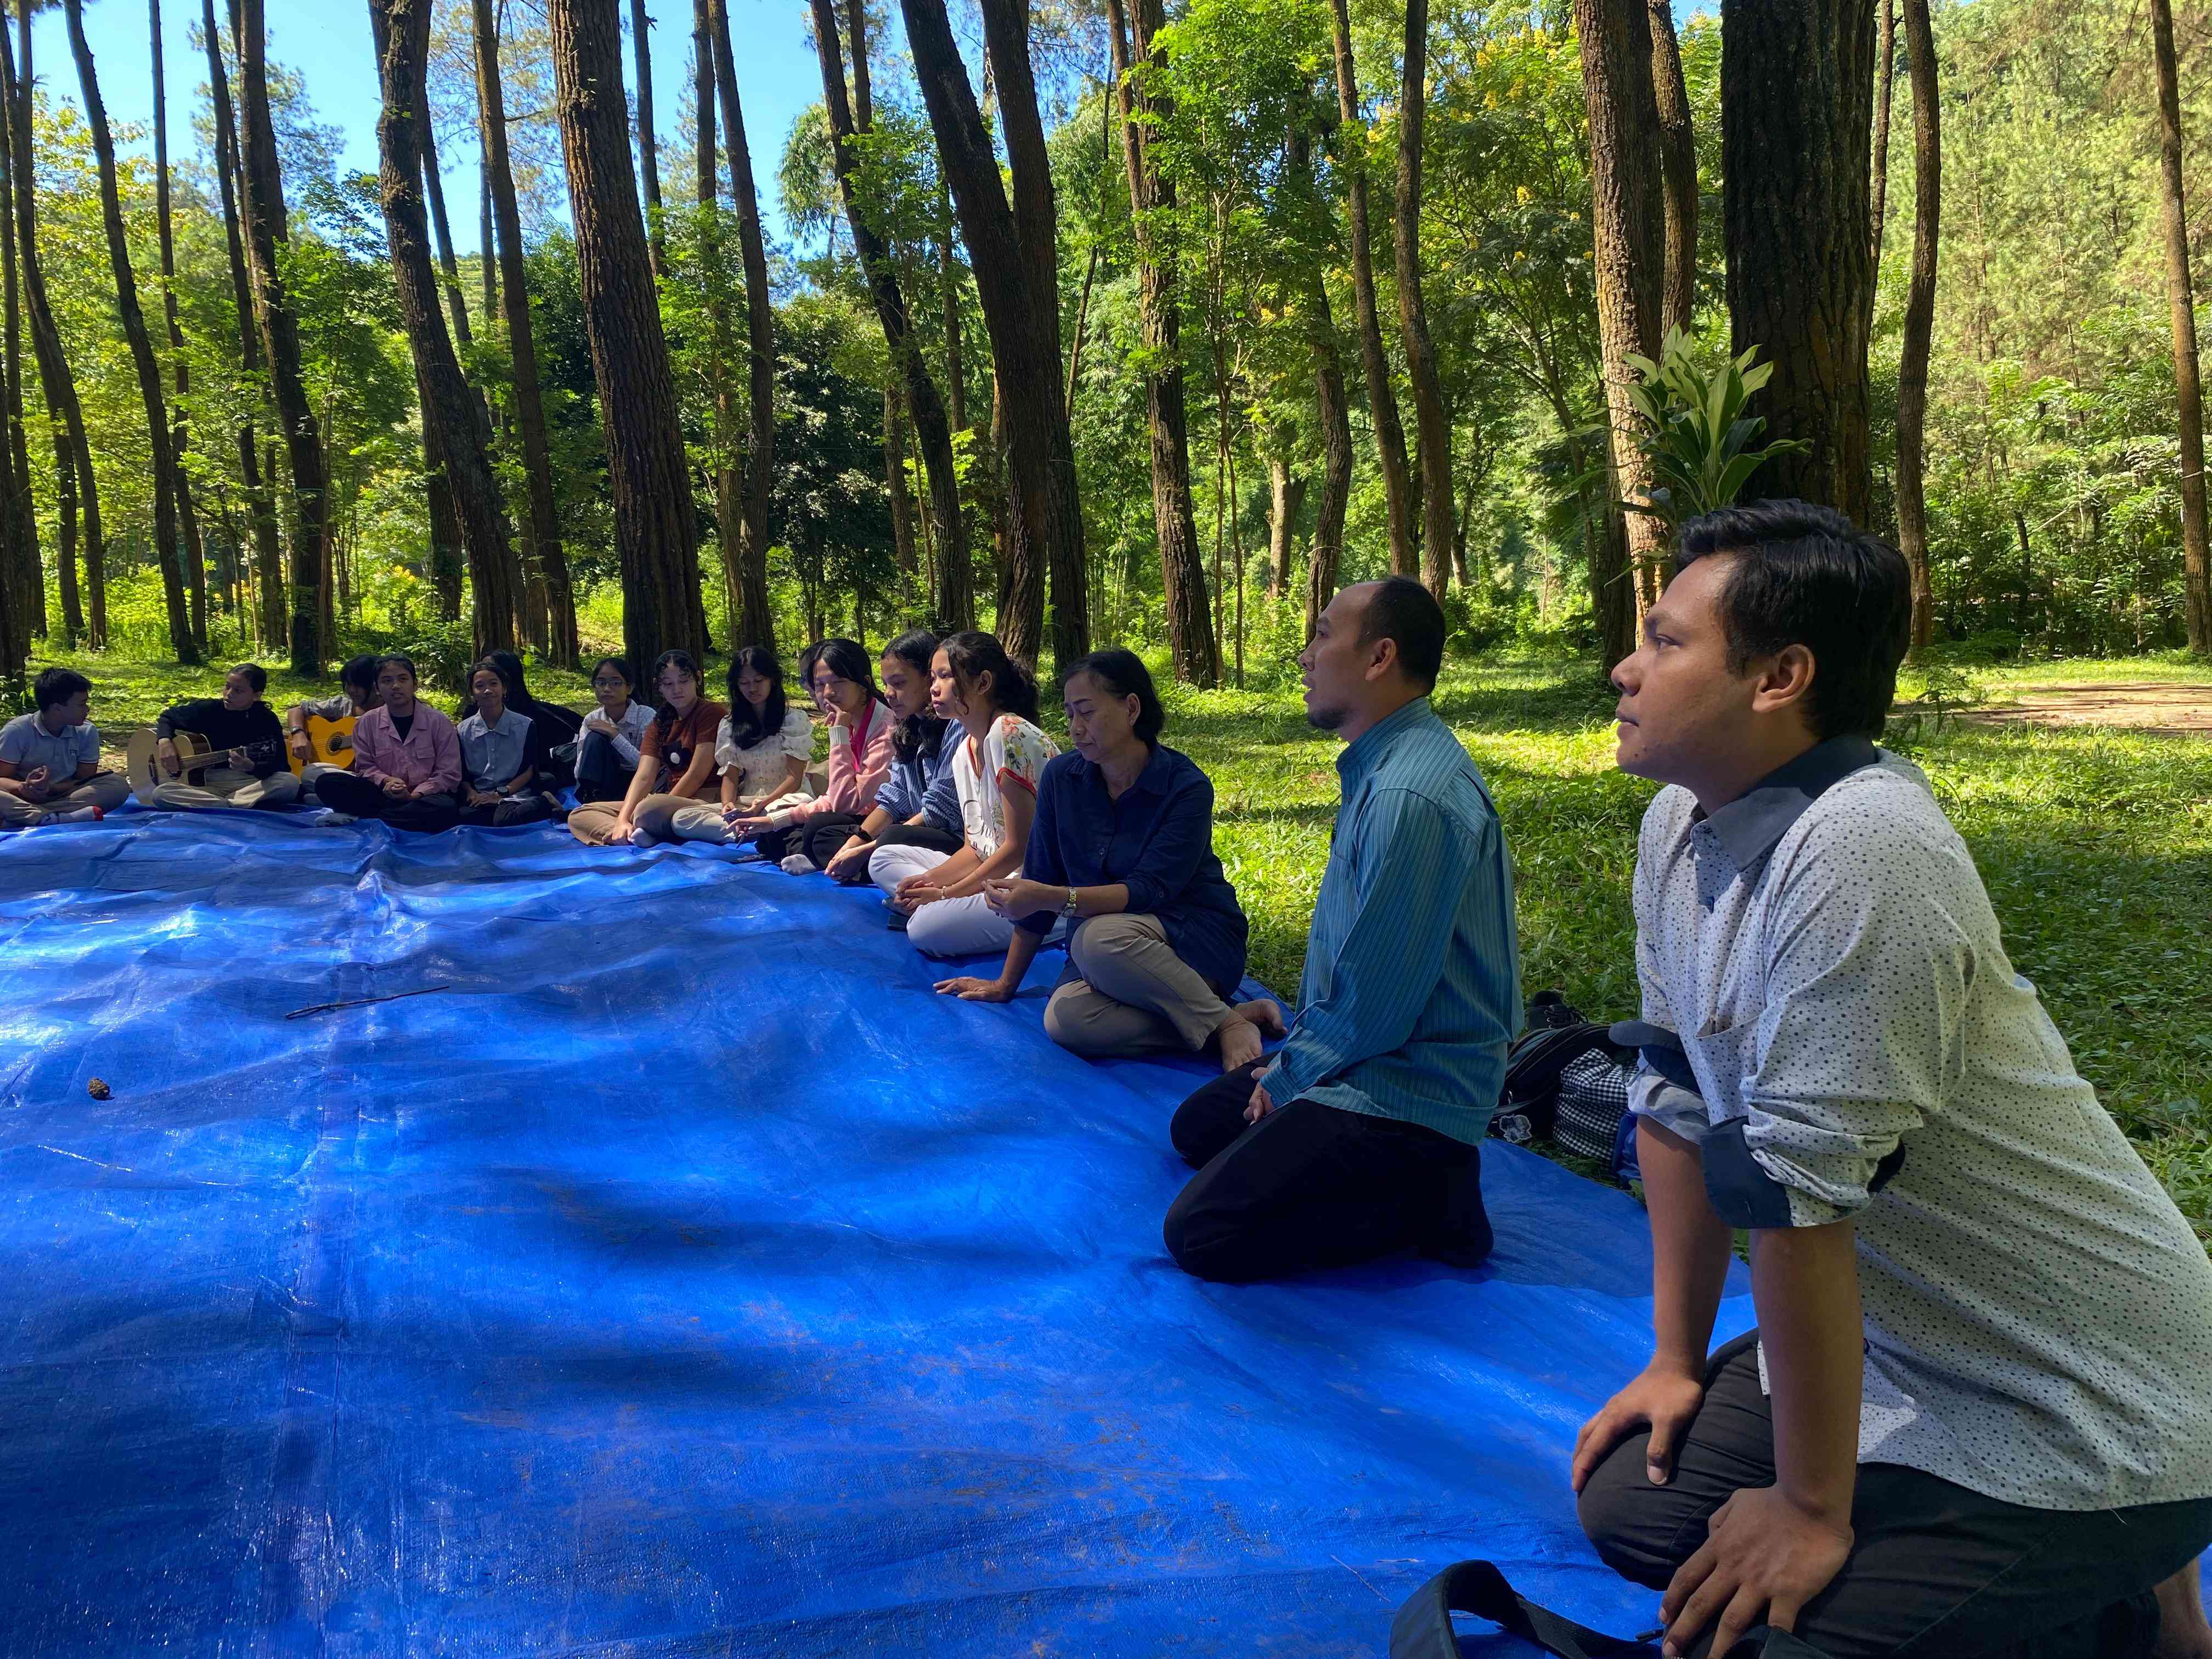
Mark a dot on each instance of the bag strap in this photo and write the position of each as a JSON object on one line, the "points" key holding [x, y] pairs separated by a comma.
{"points": [[1422, 1629]]}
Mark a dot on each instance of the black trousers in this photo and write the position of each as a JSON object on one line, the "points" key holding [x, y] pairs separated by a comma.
{"points": [[819, 838], [908, 835], [529, 807], [1315, 1185], [600, 774], [342, 792], [1936, 1572]]}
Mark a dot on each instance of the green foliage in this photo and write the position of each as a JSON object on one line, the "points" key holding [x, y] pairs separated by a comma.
{"points": [[1695, 431]]}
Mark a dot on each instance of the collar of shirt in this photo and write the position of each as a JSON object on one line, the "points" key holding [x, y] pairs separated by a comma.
{"points": [[510, 722], [1152, 778], [1749, 826], [1365, 753]]}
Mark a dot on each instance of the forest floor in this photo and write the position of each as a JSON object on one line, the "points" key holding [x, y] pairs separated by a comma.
{"points": [[2095, 841]]}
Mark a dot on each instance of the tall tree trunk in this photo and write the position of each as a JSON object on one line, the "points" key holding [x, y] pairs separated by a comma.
{"points": [[456, 434], [487, 236], [954, 603], [652, 486], [956, 364], [1919, 317], [1374, 364], [544, 513], [141, 347], [729, 508], [648, 141], [22, 529], [65, 527], [1678, 156], [902, 552], [266, 228], [1627, 218], [1191, 644], [433, 193], [1011, 250], [1797, 105], [267, 554], [1334, 408], [756, 620], [188, 524], [702, 100], [448, 559], [2196, 567], [1885, 74], [1430, 419], [54, 376], [1286, 499]]}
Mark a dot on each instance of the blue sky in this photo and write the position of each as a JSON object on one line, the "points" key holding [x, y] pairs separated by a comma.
{"points": [[328, 41]]}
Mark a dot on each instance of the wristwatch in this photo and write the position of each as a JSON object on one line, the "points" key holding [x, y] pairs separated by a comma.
{"points": [[1068, 909]]}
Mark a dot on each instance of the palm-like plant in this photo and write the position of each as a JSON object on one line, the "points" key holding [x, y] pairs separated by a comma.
{"points": [[1695, 432]]}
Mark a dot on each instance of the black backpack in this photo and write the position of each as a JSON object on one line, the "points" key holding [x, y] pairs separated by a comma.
{"points": [[1567, 1081], [1423, 1628]]}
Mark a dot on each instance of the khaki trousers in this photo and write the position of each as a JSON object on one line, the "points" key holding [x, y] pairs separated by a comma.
{"points": [[105, 790], [1134, 996], [223, 786], [594, 822]]}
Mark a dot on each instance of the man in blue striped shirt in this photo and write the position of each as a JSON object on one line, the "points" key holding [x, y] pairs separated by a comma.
{"points": [[1360, 1136]]}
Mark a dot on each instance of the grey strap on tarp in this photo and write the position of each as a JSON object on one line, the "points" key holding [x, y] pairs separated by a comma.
{"points": [[1423, 1628]]}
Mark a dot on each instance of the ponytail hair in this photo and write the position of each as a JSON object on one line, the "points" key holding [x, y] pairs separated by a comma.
{"points": [[920, 735], [974, 654]]}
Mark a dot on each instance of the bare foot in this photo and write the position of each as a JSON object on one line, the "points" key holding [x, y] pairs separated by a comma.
{"points": [[1240, 1041], [1262, 1012], [2182, 1631]]}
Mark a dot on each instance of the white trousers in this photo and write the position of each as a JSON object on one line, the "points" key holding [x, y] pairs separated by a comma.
{"points": [[950, 927]]}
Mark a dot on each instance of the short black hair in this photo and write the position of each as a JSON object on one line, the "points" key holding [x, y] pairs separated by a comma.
{"points": [[56, 686], [407, 662], [360, 670], [1808, 575], [256, 676], [1405, 613], [1123, 674], [620, 664]]}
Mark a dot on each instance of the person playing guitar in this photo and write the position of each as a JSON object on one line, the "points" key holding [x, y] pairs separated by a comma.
{"points": [[320, 730], [242, 730]]}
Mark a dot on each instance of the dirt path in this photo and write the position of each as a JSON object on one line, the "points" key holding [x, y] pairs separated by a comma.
{"points": [[2169, 707]]}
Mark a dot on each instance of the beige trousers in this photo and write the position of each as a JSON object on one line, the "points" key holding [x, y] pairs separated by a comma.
{"points": [[224, 787], [105, 790], [1135, 995], [594, 822]]}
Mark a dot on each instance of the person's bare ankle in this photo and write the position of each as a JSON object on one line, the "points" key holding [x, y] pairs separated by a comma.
{"points": [[1263, 1015]]}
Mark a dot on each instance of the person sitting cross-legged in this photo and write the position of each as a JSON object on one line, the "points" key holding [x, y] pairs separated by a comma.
{"points": [[501, 752], [1976, 1416], [1123, 849], [803, 832], [406, 760], [50, 770], [249, 776], [919, 804], [1359, 1137], [356, 696], [763, 746], [674, 760]]}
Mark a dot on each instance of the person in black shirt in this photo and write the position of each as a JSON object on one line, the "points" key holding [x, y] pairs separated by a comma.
{"points": [[253, 772]]}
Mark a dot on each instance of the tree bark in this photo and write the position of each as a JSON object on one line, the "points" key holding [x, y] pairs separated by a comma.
{"points": [[648, 142], [22, 520], [142, 346], [954, 603], [433, 193], [280, 338], [729, 509], [755, 619], [1797, 105], [1885, 76], [1286, 499], [1627, 218], [1191, 644], [1919, 317], [2196, 567], [651, 482], [956, 364], [188, 524], [1375, 363], [702, 101], [545, 513], [1326, 558], [902, 552], [1430, 419], [55, 379], [1012, 254], [456, 434], [268, 553], [1678, 156]]}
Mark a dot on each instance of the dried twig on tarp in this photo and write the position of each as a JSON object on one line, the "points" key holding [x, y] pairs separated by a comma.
{"points": [[363, 1002]]}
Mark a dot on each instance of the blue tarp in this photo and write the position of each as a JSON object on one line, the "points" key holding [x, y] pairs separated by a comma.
{"points": [[688, 1279]]}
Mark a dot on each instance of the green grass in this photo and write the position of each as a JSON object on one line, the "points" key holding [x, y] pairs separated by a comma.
{"points": [[2096, 845]]}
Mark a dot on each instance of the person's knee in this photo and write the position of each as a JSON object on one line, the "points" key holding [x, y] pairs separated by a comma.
{"points": [[1615, 1506], [109, 791], [886, 868], [942, 929], [1103, 937], [1064, 1021], [1200, 1242]]}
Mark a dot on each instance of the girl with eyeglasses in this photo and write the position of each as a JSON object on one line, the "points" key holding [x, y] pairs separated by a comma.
{"points": [[606, 745], [675, 757]]}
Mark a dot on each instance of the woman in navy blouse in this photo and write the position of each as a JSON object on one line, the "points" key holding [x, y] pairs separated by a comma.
{"points": [[1123, 846]]}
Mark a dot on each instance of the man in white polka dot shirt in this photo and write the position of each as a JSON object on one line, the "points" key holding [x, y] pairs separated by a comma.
{"points": [[1976, 1416]]}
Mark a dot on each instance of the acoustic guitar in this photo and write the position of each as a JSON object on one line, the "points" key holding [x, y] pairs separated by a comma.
{"points": [[196, 758], [330, 743]]}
